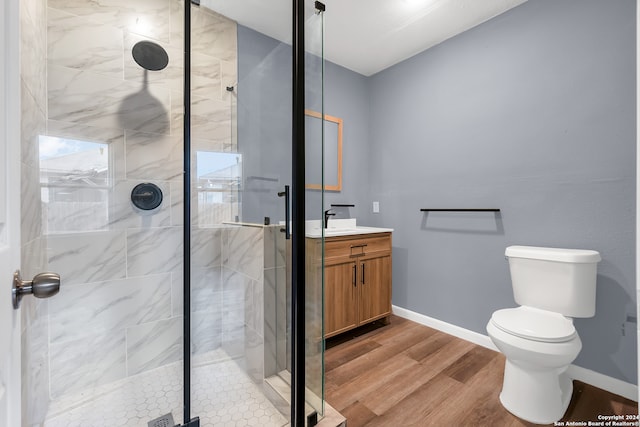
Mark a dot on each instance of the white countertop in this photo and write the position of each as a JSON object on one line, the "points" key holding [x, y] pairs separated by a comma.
{"points": [[340, 227]]}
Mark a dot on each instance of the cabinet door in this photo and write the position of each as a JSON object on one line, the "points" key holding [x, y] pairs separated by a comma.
{"points": [[374, 277], [340, 298]]}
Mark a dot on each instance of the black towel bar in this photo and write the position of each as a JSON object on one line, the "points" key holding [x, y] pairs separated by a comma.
{"points": [[460, 210]]}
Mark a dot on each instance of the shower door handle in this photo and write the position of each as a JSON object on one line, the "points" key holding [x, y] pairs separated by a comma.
{"points": [[43, 285], [285, 193]]}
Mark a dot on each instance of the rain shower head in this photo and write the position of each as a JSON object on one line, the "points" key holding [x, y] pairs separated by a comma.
{"points": [[150, 56]]}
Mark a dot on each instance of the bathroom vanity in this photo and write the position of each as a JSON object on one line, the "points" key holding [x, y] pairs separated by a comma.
{"points": [[357, 276]]}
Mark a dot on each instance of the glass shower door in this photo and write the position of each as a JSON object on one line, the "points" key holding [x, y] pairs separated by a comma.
{"points": [[244, 321], [229, 279], [260, 341]]}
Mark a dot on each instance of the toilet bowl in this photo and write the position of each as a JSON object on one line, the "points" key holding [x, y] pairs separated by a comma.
{"points": [[538, 338], [535, 387]]}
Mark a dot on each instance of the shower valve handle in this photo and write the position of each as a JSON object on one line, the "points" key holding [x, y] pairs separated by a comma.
{"points": [[43, 285]]}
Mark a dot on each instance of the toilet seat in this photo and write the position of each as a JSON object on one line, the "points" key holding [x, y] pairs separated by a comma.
{"points": [[534, 324]]}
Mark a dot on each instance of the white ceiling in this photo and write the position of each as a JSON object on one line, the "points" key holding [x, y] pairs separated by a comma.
{"points": [[368, 36]]}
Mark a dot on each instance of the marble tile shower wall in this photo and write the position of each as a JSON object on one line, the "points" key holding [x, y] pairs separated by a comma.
{"points": [[243, 281], [253, 281], [35, 355], [119, 309], [276, 301]]}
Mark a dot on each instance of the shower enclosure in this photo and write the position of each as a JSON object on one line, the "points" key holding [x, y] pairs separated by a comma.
{"points": [[163, 179]]}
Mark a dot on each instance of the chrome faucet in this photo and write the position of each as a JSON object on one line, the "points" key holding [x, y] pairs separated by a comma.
{"points": [[327, 214]]}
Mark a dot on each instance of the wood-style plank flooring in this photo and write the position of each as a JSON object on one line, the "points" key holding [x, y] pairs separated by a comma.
{"points": [[406, 374]]}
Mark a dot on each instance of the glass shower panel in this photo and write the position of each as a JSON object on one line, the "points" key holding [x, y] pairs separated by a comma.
{"points": [[314, 205], [113, 121]]}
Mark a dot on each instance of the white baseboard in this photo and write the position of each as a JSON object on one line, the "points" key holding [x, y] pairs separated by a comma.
{"points": [[448, 328], [596, 379], [605, 382]]}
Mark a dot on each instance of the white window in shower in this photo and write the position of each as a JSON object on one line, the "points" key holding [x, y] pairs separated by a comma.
{"points": [[75, 180], [219, 177]]}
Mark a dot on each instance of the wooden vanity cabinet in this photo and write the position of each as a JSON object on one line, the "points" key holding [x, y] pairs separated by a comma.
{"points": [[357, 286], [340, 298], [375, 289]]}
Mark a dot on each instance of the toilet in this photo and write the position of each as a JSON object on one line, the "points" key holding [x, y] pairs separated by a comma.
{"points": [[538, 339]]}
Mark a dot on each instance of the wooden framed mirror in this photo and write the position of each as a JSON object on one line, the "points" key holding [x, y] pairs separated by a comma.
{"points": [[332, 151]]}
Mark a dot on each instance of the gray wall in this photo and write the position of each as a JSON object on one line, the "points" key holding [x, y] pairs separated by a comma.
{"points": [[347, 96], [532, 112], [264, 128], [264, 123]]}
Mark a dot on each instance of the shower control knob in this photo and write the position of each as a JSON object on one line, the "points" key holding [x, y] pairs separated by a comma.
{"points": [[43, 285], [146, 196]]}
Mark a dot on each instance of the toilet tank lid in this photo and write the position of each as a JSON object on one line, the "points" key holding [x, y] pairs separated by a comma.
{"points": [[553, 254]]}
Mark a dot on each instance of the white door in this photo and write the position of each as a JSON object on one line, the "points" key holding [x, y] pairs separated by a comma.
{"points": [[10, 409]]}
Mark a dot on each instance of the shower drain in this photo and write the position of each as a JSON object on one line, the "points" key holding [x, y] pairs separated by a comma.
{"points": [[162, 421]]}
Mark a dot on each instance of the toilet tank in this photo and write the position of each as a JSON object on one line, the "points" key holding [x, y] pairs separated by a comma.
{"points": [[553, 279]]}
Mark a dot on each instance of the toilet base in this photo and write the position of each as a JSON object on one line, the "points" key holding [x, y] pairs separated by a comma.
{"points": [[537, 396]]}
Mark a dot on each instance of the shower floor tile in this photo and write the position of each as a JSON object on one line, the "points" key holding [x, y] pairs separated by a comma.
{"points": [[222, 395]]}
